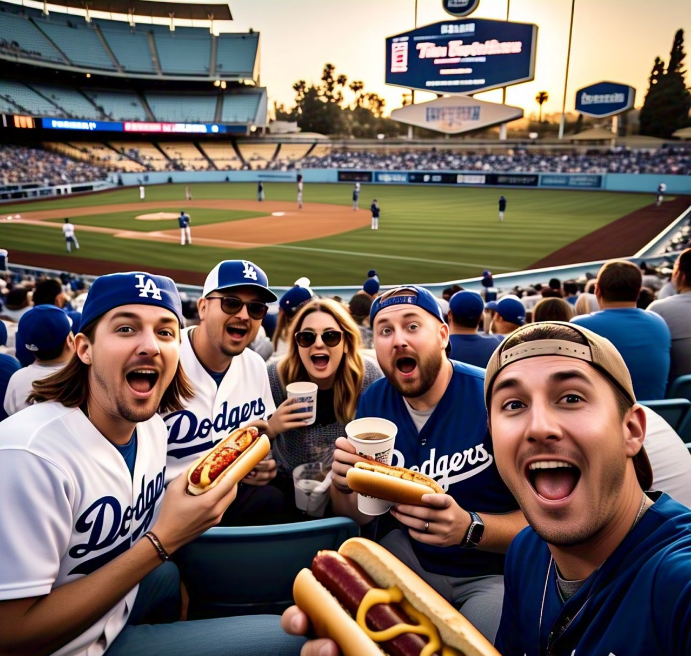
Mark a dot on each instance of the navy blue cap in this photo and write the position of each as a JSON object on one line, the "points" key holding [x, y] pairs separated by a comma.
{"points": [[294, 299], [43, 328], [511, 310], [421, 298], [132, 288], [466, 305], [371, 286], [238, 273], [372, 273], [3, 333], [487, 274], [76, 318]]}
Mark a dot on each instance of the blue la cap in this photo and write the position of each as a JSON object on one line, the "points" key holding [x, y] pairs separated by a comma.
{"points": [[421, 298], [372, 273], [511, 310], [466, 305], [294, 299], [132, 288], [238, 273], [371, 286], [43, 328], [492, 305], [3, 333]]}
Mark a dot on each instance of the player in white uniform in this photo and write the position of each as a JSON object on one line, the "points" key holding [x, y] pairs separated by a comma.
{"points": [[70, 238], [230, 382], [141, 192], [299, 194], [84, 518], [661, 190]]}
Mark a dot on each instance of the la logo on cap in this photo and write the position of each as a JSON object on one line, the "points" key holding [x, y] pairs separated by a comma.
{"points": [[249, 270], [148, 287]]}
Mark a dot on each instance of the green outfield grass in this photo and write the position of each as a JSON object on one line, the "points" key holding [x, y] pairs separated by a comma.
{"points": [[426, 234]]}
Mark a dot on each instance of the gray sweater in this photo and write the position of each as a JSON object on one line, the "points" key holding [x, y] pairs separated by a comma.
{"points": [[313, 443]]}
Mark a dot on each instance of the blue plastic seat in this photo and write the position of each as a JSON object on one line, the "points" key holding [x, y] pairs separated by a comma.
{"points": [[251, 570], [680, 388], [677, 413]]}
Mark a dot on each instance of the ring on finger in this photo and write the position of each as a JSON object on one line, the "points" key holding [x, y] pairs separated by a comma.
{"points": [[426, 525]]}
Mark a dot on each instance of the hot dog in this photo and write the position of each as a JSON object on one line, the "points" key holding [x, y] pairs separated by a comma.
{"points": [[395, 484], [234, 456], [370, 603]]}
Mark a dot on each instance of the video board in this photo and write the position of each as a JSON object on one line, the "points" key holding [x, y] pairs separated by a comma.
{"points": [[139, 126]]}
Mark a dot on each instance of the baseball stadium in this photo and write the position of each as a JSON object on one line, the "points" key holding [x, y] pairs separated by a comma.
{"points": [[375, 260]]}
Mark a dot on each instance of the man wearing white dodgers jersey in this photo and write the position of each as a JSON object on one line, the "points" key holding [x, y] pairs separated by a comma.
{"points": [[84, 518]]}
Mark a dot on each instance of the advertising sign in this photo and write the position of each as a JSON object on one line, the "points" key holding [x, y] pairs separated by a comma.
{"points": [[456, 114], [604, 99], [582, 181], [460, 8], [461, 56], [137, 126], [354, 176]]}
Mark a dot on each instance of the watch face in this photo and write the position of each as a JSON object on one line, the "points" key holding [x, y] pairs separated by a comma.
{"points": [[477, 533]]}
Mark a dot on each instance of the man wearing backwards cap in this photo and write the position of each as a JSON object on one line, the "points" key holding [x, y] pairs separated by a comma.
{"points": [[84, 522], [604, 568], [457, 540]]}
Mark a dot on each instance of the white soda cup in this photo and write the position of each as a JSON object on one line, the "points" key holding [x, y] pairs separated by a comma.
{"points": [[311, 490], [377, 449], [306, 395]]}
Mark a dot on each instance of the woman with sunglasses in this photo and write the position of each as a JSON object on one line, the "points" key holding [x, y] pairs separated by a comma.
{"points": [[325, 350]]}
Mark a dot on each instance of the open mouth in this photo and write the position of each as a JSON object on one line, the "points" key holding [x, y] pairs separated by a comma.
{"points": [[553, 480], [142, 381], [320, 361], [406, 365], [237, 332]]}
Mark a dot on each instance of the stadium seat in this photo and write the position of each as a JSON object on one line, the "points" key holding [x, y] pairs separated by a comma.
{"points": [[193, 108], [677, 413], [236, 54], [32, 43], [240, 108], [251, 570], [186, 51], [680, 388]]}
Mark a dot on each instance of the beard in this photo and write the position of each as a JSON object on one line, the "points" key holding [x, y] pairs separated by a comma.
{"points": [[428, 367]]}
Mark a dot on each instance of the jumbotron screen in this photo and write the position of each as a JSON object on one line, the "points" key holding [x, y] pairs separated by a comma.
{"points": [[138, 126], [461, 56]]}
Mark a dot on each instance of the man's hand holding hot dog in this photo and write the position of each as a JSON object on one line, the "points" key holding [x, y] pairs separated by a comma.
{"points": [[345, 457]]}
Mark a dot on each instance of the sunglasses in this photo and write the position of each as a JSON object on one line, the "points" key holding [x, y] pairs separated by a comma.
{"points": [[232, 305], [306, 338]]}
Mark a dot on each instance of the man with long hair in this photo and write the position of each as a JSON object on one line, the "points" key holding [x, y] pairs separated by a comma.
{"points": [[86, 529]]}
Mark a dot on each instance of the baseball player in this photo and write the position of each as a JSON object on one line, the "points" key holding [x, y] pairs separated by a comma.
{"points": [[502, 203], [299, 194], [260, 191], [188, 193], [141, 192], [230, 382], [355, 197], [184, 225], [375, 214], [661, 190], [70, 238], [456, 541], [86, 530]]}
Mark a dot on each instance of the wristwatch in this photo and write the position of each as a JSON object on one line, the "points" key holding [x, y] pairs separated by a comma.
{"points": [[475, 532]]}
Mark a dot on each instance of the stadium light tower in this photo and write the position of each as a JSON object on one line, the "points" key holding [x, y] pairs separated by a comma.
{"points": [[561, 127]]}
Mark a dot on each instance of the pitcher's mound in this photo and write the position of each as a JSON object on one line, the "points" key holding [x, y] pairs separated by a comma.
{"points": [[159, 216]]}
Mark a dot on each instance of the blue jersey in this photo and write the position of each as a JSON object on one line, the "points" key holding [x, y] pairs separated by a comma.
{"points": [[183, 221], [454, 448], [375, 211], [8, 366], [637, 604], [474, 349]]}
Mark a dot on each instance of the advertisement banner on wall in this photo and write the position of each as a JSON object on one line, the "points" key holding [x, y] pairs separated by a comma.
{"points": [[461, 56], [456, 114], [572, 180], [604, 99], [354, 176]]}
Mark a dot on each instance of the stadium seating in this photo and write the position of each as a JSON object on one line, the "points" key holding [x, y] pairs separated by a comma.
{"points": [[293, 152], [187, 155], [257, 155], [147, 154], [222, 154], [27, 100], [78, 40], [236, 54], [677, 412], [119, 105], [72, 101], [240, 107], [186, 51], [30, 42], [249, 570], [680, 388], [176, 108], [131, 46], [105, 156]]}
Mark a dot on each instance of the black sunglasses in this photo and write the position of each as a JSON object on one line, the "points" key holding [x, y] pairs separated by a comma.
{"points": [[306, 338], [232, 305]]}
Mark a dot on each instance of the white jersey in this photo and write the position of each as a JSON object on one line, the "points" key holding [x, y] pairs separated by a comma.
{"points": [[244, 395], [300, 186], [662, 187], [70, 506], [19, 385], [68, 230]]}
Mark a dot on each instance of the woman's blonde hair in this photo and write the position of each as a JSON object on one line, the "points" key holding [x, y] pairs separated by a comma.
{"points": [[350, 373]]}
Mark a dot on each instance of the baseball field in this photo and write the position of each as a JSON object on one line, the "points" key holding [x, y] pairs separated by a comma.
{"points": [[426, 234]]}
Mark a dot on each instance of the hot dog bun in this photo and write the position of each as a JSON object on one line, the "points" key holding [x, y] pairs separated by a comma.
{"points": [[238, 468], [330, 620], [394, 484]]}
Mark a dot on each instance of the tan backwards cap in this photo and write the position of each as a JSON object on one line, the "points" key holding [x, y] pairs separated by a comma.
{"points": [[598, 351]]}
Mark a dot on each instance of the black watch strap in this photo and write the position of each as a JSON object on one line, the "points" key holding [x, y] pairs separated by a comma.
{"points": [[475, 532]]}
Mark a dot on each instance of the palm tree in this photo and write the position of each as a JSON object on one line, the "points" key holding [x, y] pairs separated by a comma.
{"points": [[541, 98]]}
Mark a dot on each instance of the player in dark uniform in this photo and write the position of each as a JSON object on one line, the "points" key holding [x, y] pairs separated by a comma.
{"points": [[501, 208], [375, 214]]}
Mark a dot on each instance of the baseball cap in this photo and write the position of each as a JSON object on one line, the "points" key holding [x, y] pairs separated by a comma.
{"points": [[3, 333], [510, 310], [372, 273], [132, 288], [466, 305], [371, 286], [43, 328], [420, 297], [238, 273], [599, 352], [294, 298]]}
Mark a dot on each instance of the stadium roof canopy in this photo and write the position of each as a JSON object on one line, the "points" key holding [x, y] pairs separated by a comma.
{"points": [[186, 10]]}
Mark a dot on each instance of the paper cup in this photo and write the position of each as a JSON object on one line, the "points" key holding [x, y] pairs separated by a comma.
{"points": [[306, 395], [307, 478], [378, 449]]}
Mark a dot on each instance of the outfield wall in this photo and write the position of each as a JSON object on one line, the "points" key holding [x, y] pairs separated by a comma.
{"points": [[644, 183]]}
